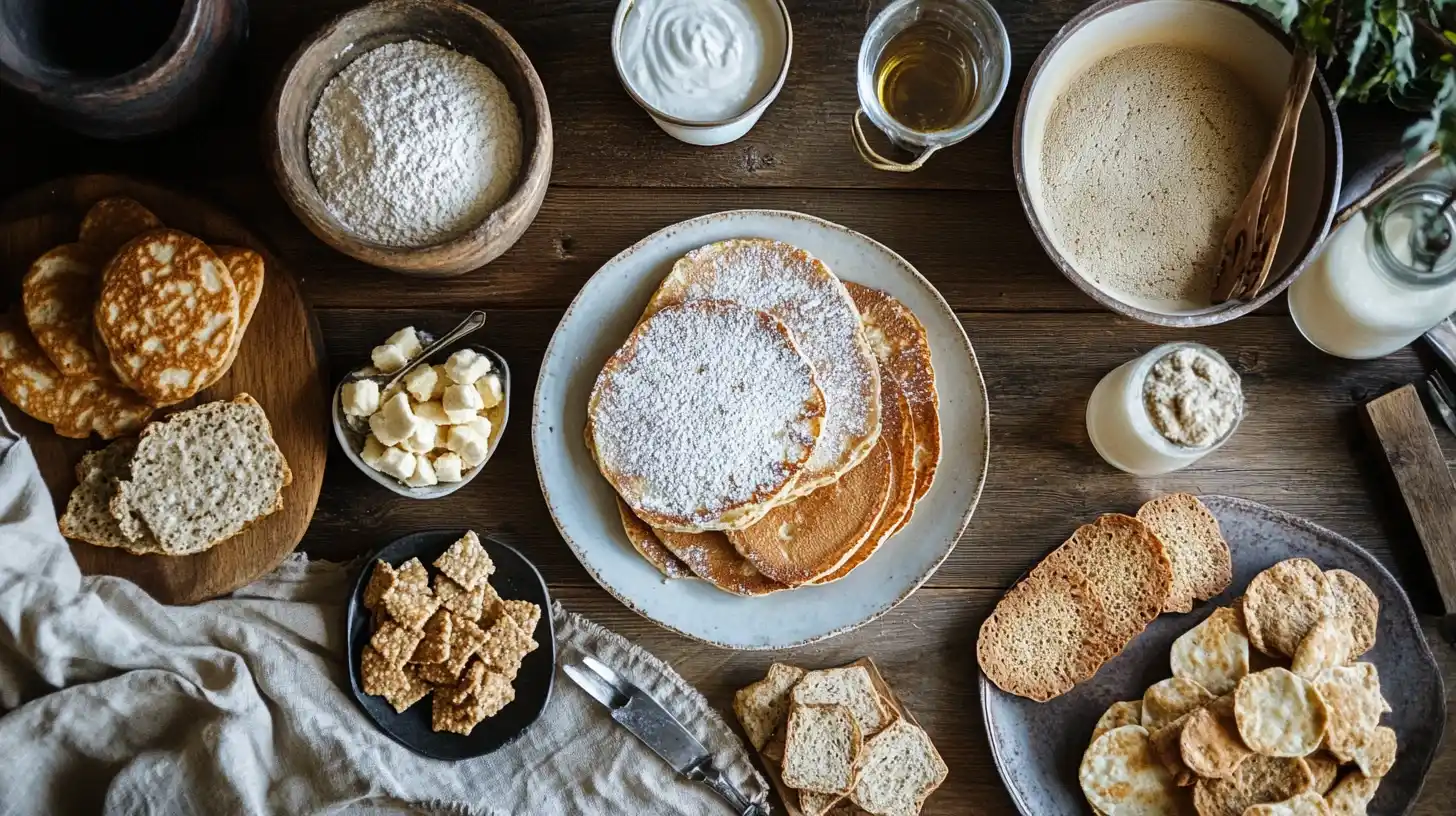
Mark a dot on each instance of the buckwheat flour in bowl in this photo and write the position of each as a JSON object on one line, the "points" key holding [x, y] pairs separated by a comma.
{"points": [[1146, 157], [414, 144]]}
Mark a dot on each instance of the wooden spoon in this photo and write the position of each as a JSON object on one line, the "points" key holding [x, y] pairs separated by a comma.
{"points": [[1253, 235]]}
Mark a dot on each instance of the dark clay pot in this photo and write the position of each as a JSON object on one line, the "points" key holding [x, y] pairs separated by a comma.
{"points": [[117, 69]]}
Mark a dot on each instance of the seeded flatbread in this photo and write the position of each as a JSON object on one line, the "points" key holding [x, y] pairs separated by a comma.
{"points": [[1324, 769], [1283, 603], [1355, 704], [1045, 635], [1126, 567], [1215, 653], [1121, 773], [1280, 714], [1354, 602], [1202, 567], [112, 222], [1329, 644], [167, 312], [58, 293], [1375, 754], [1351, 795], [1116, 716], [1260, 779], [1167, 744], [1308, 803], [763, 707], [849, 686], [88, 512], [1167, 700], [1210, 742]]}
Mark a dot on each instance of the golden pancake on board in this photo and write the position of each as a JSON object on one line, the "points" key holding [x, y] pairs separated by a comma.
{"points": [[649, 546], [815, 535], [902, 348], [711, 557], [111, 222], [898, 433], [75, 406], [246, 268], [57, 294]]}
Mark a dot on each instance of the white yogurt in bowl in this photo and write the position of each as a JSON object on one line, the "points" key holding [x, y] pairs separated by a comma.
{"points": [[705, 70]]}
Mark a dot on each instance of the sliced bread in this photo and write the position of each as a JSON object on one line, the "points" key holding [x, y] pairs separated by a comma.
{"points": [[850, 687], [1126, 567], [202, 476], [1194, 545], [88, 514], [822, 750], [764, 706], [1045, 635], [818, 804], [899, 770]]}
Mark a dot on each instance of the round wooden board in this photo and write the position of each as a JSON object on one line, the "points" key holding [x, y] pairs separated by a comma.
{"points": [[280, 363]]}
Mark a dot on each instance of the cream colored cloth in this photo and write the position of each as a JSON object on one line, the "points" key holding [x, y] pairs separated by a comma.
{"points": [[111, 702]]}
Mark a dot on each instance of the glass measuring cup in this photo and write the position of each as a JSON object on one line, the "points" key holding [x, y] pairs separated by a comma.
{"points": [[989, 46]]}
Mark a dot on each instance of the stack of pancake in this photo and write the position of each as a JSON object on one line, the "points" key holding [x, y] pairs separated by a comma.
{"points": [[766, 426]]}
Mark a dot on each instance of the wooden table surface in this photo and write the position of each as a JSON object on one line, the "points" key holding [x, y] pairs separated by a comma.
{"points": [[1041, 343]]}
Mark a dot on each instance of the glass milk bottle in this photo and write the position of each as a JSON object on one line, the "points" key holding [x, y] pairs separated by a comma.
{"points": [[1377, 286]]}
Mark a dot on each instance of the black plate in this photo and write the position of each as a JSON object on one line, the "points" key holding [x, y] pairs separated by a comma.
{"points": [[515, 578]]}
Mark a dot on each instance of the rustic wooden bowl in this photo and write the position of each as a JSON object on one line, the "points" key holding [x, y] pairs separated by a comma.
{"points": [[154, 92], [442, 22], [1253, 48]]}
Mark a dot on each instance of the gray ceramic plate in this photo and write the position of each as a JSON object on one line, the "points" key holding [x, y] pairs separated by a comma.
{"points": [[1038, 746]]}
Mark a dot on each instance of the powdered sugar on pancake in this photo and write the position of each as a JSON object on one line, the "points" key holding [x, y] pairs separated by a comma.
{"points": [[798, 289], [704, 416]]}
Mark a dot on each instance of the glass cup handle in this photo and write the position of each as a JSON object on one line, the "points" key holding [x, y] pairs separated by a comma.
{"points": [[875, 160]]}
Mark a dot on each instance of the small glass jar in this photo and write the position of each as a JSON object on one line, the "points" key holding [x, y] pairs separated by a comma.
{"points": [[1123, 431], [1374, 289]]}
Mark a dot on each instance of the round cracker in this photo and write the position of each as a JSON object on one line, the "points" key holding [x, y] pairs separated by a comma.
{"points": [[1215, 653], [1329, 644], [1121, 774], [1117, 715], [1211, 745], [1167, 744], [1352, 695], [1260, 780], [1376, 753], [1283, 603], [1167, 700], [1280, 714], [1308, 803], [1324, 768], [1353, 600], [1352, 794]]}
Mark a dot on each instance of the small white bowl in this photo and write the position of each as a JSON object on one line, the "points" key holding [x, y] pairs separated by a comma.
{"points": [[352, 441], [705, 134]]}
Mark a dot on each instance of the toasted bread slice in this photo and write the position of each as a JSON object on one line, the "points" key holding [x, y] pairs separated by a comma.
{"points": [[1202, 567], [822, 749], [1127, 568], [763, 707], [168, 312], [902, 347], [711, 556], [798, 289], [112, 222], [1045, 635], [851, 687], [202, 476], [645, 541], [75, 406], [898, 435], [705, 416], [247, 270], [814, 535], [58, 294], [900, 769]]}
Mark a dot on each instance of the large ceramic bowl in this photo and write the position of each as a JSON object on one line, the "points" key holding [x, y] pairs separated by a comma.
{"points": [[1260, 55]]}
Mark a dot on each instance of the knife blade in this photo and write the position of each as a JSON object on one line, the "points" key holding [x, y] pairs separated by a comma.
{"points": [[1442, 340]]}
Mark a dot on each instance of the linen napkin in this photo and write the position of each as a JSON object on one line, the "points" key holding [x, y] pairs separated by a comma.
{"points": [[111, 702]]}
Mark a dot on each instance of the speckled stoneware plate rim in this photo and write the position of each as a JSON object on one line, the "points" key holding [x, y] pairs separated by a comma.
{"points": [[1406, 616], [953, 497], [546, 649], [1220, 313]]}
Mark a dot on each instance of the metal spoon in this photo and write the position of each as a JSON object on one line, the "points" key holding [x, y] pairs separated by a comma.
{"points": [[470, 325]]}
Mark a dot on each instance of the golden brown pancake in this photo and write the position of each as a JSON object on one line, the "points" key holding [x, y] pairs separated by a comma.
{"points": [[903, 350], [898, 432], [712, 558], [646, 543], [814, 535]]}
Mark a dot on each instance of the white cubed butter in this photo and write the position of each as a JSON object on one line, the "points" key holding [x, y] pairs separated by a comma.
{"points": [[442, 381], [388, 358], [421, 383], [373, 450], [466, 366], [360, 398], [490, 389], [424, 475], [432, 412], [397, 463], [408, 341], [462, 403], [422, 440], [481, 425], [448, 467], [471, 446], [442, 436], [395, 422]]}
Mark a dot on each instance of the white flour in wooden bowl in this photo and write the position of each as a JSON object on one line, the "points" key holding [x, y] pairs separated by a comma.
{"points": [[1146, 158]]}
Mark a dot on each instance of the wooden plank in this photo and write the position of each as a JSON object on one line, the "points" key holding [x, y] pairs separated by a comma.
{"points": [[1422, 478], [1045, 477], [603, 139], [926, 649]]}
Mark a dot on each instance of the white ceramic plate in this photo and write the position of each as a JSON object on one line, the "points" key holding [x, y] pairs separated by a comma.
{"points": [[584, 506]]}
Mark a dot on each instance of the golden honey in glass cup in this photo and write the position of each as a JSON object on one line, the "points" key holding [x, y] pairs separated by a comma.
{"points": [[931, 73]]}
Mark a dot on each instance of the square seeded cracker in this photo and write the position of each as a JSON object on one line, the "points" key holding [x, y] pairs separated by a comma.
{"points": [[410, 606], [525, 614], [505, 644], [381, 581], [466, 562], [379, 677], [453, 717], [467, 603], [469, 683], [465, 641], [413, 690], [434, 647], [395, 643], [413, 573]]}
